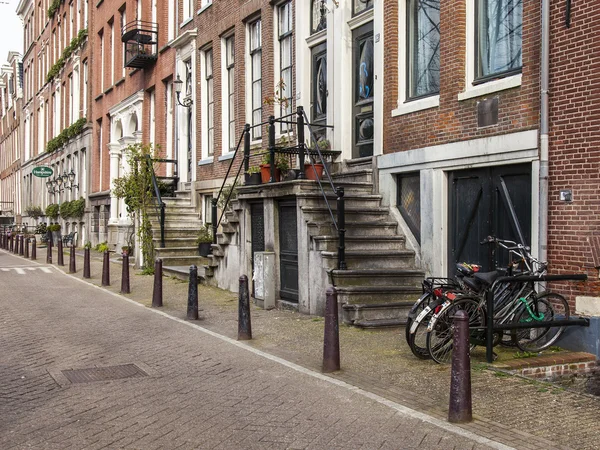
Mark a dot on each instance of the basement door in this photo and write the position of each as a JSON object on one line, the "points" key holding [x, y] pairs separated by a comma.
{"points": [[288, 250], [491, 201], [257, 230]]}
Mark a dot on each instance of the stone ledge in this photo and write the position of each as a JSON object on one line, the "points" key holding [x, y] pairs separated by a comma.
{"points": [[548, 360]]}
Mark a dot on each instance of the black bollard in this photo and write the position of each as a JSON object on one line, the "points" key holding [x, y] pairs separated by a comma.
{"points": [[72, 268], [192, 309], [33, 249], [331, 341], [26, 249], [49, 252], [125, 287], [460, 410], [157, 293], [21, 245], [105, 270], [16, 246], [61, 256], [244, 323], [86, 263]]}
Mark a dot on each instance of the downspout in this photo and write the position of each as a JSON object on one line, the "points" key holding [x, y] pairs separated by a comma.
{"points": [[543, 175]]}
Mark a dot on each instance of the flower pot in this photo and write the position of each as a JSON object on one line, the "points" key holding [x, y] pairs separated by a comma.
{"points": [[265, 173], [204, 248], [56, 236], [253, 178], [309, 171]]}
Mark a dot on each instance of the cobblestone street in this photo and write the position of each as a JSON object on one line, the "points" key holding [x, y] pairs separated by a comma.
{"points": [[193, 389]]}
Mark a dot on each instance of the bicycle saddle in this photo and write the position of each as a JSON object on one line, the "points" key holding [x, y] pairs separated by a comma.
{"points": [[487, 277]]}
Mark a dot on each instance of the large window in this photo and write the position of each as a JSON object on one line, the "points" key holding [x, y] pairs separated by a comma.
{"points": [[423, 47], [499, 26], [409, 201], [318, 16], [210, 100], [362, 5], [230, 68], [285, 60], [319, 83], [256, 77]]}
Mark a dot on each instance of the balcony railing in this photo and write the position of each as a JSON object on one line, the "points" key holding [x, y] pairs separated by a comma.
{"points": [[141, 43]]}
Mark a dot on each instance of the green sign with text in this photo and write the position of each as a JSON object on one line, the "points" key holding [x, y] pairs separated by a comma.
{"points": [[42, 171]]}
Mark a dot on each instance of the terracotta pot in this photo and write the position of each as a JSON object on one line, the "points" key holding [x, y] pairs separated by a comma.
{"points": [[265, 173], [309, 171]]}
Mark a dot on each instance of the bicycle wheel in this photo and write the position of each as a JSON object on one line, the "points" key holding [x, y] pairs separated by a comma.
{"points": [[546, 307], [419, 305], [417, 340], [439, 339]]}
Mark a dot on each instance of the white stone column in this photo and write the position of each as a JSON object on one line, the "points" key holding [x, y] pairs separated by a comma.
{"points": [[115, 156]]}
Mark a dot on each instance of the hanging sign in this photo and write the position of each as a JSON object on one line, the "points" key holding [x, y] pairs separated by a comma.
{"points": [[42, 171]]}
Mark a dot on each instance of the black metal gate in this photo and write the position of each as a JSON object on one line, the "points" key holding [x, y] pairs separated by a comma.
{"points": [[288, 250], [257, 227], [492, 201]]}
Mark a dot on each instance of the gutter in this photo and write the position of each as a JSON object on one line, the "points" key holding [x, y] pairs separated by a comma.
{"points": [[544, 128]]}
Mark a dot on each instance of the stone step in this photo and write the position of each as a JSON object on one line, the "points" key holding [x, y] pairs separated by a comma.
{"points": [[224, 238], [315, 199], [184, 260], [174, 241], [375, 315], [176, 232], [374, 259], [385, 228], [171, 210], [183, 194], [192, 224], [176, 251], [365, 162], [176, 201], [227, 227], [377, 294], [183, 272], [377, 277], [360, 175], [232, 217], [350, 187], [217, 250], [330, 243], [357, 215]]}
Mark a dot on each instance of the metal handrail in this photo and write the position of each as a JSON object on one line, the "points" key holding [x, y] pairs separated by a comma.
{"points": [[161, 204]]}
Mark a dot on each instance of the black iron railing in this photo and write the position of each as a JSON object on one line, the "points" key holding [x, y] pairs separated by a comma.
{"points": [[161, 207], [314, 155]]}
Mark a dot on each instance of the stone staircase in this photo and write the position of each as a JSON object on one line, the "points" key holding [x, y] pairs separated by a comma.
{"points": [[182, 223], [382, 282]]}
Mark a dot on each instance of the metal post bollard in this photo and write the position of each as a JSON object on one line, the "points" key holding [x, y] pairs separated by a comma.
{"points": [[33, 249], [72, 268], [157, 293], [105, 270], [61, 256], [244, 323], [331, 341], [49, 252], [460, 410], [21, 245], [86, 263], [125, 287], [16, 246], [26, 249], [192, 307]]}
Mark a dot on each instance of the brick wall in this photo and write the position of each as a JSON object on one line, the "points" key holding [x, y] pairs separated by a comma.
{"points": [[574, 142]]}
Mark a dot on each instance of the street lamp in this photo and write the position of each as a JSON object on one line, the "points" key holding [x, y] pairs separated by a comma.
{"points": [[187, 102], [71, 176]]}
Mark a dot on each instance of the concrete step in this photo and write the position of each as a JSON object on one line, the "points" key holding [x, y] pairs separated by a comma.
{"points": [[183, 272], [176, 251], [183, 194], [224, 238], [374, 259], [330, 243], [357, 215], [232, 217], [176, 201], [356, 175], [379, 228], [184, 260], [182, 223], [315, 199], [350, 187], [358, 163], [174, 241], [227, 227], [369, 295], [179, 232], [376, 315], [377, 277]]}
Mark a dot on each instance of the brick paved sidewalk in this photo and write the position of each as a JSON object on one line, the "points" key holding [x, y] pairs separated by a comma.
{"points": [[511, 410]]}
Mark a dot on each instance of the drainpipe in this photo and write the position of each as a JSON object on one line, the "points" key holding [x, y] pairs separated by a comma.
{"points": [[544, 84]]}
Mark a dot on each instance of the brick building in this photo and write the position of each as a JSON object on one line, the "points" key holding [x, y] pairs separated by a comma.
{"points": [[11, 95], [56, 107]]}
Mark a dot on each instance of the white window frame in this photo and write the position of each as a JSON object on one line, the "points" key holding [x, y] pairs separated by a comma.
{"points": [[227, 114], [277, 44], [404, 106], [489, 87], [249, 81], [204, 4], [188, 10], [207, 117]]}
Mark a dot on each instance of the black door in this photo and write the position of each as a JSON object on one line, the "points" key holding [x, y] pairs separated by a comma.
{"points": [[257, 230], [288, 250], [492, 201], [363, 81]]}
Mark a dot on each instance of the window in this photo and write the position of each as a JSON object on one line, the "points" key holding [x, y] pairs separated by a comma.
{"points": [[498, 37], [85, 88], [423, 47], [285, 60], [208, 61], [71, 103], [208, 209], [362, 5], [318, 16], [319, 83], [409, 201], [188, 8], [256, 77], [230, 94]]}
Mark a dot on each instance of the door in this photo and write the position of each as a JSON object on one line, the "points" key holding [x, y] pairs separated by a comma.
{"points": [[491, 201], [257, 230], [288, 250], [363, 128]]}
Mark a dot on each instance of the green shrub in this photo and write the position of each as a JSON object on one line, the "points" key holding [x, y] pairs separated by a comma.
{"points": [[75, 43], [205, 234], [34, 211], [52, 211], [54, 227], [41, 229], [101, 247], [66, 134]]}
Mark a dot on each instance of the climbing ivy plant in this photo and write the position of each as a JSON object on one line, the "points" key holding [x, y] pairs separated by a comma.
{"points": [[136, 189]]}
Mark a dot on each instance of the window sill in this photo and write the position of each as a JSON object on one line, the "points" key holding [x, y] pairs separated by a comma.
{"points": [[99, 96], [185, 22], [490, 87], [119, 82], [226, 156], [317, 38], [108, 90], [204, 8], [204, 162], [416, 105]]}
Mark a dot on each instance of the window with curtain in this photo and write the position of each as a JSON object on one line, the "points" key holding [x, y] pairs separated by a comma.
{"points": [[256, 68], [499, 26], [285, 60], [423, 47]]}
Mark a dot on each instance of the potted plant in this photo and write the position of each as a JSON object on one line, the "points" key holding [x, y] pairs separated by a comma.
{"points": [[265, 168], [253, 175], [55, 230], [316, 172], [204, 240], [125, 250]]}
